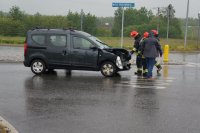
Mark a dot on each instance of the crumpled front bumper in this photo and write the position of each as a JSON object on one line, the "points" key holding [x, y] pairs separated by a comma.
{"points": [[122, 64]]}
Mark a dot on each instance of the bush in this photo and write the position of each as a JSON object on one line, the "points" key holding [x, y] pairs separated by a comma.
{"points": [[9, 27], [103, 32]]}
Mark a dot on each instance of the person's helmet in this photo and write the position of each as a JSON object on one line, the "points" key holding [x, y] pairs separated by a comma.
{"points": [[146, 34], [134, 33], [155, 32]]}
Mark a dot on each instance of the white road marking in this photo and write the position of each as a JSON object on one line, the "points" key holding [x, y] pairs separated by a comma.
{"points": [[191, 64], [141, 83], [143, 87]]}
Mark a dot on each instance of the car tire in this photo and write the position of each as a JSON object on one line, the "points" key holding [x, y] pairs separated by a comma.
{"points": [[68, 72], [50, 70], [38, 67], [108, 69]]}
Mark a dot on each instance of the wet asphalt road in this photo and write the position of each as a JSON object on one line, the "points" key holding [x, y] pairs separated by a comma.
{"points": [[86, 102]]}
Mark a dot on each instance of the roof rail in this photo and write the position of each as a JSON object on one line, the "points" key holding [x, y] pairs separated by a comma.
{"points": [[71, 29], [38, 27]]}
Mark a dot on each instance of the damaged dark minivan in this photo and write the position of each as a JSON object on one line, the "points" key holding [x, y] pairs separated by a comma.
{"points": [[49, 49]]}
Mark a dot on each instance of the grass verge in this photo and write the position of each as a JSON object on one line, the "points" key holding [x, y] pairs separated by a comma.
{"points": [[17, 41], [174, 44]]}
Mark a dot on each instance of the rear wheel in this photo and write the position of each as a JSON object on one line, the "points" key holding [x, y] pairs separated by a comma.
{"points": [[108, 69], [68, 71], [38, 67]]}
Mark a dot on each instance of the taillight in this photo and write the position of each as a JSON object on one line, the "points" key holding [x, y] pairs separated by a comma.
{"points": [[25, 47]]}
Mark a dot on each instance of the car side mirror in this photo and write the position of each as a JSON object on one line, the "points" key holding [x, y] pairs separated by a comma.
{"points": [[93, 48]]}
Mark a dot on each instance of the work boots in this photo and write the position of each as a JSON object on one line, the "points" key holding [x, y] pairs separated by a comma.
{"points": [[159, 68], [138, 73]]}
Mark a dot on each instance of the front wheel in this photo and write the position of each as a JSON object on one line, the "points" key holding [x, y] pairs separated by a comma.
{"points": [[108, 69], [38, 67]]}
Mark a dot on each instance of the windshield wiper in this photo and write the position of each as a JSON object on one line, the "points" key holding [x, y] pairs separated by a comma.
{"points": [[103, 43]]}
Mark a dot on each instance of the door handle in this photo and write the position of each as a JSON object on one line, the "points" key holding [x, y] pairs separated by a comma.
{"points": [[64, 52], [75, 52]]}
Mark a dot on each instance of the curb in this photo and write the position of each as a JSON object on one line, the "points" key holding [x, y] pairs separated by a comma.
{"points": [[6, 127], [10, 61]]}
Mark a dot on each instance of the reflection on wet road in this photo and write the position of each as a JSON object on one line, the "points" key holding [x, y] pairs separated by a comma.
{"points": [[87, 102]]}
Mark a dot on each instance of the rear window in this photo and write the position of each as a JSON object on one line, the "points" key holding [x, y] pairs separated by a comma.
{"points": [[39, 39]]}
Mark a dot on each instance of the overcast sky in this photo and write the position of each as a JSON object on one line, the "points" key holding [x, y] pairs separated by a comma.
{"points": [[99, 8]]}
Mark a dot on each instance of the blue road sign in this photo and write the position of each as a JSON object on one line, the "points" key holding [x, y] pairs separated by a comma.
{"points": [[114, 4]]}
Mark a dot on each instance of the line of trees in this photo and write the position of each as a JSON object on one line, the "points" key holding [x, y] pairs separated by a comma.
{"points": [[143, 20], [16, 22]]}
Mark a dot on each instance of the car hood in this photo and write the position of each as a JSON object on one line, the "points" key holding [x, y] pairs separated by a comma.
{"points": [[123, 53]]}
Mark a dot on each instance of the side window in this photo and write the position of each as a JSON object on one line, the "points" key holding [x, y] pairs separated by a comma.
{"points": [[39, 39], [81, 43], [58, 40]]}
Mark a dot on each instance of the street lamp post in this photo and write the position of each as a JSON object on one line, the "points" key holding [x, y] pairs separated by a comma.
{"points": [[81, 19], [186, 25], [167, 28], [198, 31]]}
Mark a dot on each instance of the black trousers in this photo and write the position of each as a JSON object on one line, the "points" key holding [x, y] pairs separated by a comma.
{"points": [[139, 63]]}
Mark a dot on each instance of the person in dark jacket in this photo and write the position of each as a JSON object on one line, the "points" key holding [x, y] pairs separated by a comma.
{"points": [[150, 49], [136, 49]]}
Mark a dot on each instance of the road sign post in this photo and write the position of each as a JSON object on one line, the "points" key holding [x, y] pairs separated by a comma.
{"points": [[114, 4], [122, 32]]}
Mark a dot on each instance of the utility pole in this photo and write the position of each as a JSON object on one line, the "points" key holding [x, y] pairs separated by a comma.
{"points": [[158, 23], [159, 10], [169, 13]]}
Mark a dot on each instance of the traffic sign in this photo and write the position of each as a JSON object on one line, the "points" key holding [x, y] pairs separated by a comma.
{"points": [[115, 4]]}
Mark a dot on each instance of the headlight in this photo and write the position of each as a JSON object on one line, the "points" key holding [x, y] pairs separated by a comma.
{"points": [[119, 63]]}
